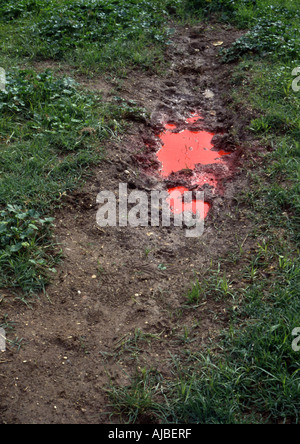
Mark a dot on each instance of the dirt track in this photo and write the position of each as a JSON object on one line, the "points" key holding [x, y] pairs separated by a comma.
{"points": [[111, 282]]}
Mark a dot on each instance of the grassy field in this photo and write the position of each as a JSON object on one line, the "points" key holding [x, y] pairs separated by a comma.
{"points": [[52, 131], [93, 36]]}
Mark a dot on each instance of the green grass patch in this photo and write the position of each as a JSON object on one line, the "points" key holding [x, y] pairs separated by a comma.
{"points": [[275, 192], [50, 131], [92, 35]]}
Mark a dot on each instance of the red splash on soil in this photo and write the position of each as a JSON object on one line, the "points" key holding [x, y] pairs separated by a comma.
{"points": [[204, 178], [223, 153]]}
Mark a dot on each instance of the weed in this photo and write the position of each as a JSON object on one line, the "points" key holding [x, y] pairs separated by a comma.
{"points": [[268, 37], [212, 284], [140, 399], [25, 249], [195, 294], [132, 342]]}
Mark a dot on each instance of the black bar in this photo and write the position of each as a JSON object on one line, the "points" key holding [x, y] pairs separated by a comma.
{"points": [[148, 433]]}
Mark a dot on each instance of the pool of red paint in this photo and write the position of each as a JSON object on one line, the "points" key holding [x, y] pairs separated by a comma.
{"points": [[184, 150]]}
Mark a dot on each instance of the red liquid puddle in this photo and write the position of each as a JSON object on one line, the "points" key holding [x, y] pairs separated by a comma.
{"points": [[178, 206], [184, 150]]}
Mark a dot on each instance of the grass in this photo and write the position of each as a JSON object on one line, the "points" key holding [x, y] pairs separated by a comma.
{"points": [[25, 250], [91, 35], [11, 340], [213, 283], [250, 375]]}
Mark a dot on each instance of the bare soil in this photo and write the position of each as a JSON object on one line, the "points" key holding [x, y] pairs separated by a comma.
{"points": [[111, 281]]}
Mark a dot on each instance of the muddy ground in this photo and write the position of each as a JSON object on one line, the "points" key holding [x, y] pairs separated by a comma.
{"points": [[114, 281]]}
